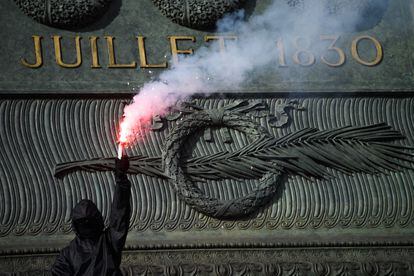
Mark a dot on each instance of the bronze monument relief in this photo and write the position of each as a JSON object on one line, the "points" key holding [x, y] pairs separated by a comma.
{"points": [[304, 167], [307, 152]]}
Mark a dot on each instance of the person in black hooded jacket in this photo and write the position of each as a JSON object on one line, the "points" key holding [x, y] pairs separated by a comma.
{"points": [[95, 250]]}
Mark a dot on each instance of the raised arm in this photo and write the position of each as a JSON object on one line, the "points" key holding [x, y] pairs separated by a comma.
{"points": [[121, 206]]}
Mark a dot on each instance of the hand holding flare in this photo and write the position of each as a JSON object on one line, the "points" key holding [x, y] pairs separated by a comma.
{"points": [[122, 163]]}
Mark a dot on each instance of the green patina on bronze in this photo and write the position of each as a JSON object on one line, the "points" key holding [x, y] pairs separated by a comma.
{"points": [[327, 189], [127, 19]]}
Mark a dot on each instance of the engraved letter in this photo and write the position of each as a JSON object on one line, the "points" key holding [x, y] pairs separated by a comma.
{"points": [[143, 55], [174, 49], [111, 54], [58, 53], [221, 40], [94, 52], [38, 53]]}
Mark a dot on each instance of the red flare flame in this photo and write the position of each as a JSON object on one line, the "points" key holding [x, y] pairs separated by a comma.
{"points": [[137, 117], [133, 128], [123, 137]]}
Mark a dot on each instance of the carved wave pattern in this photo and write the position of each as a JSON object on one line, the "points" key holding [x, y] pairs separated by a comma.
{"points": [[37, 134]]}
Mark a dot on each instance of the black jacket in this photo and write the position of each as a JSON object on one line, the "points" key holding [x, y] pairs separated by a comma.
{"points": [[100, 255]]}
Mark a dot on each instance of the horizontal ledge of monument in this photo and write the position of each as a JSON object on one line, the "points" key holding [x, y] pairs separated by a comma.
{"points": [[249, 93], [224, 240]]}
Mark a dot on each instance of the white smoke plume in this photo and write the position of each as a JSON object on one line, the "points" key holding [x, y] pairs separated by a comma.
{"points": [[208, 70]]}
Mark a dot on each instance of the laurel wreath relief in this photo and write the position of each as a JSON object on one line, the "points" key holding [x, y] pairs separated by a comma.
{"points": [[307, 153]]}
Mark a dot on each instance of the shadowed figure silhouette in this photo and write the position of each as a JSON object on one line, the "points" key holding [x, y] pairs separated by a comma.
{"points": [[96, 250]]}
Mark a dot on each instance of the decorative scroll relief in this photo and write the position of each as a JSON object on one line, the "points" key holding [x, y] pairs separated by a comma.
{"points": [[278, 118], [38, 134]]}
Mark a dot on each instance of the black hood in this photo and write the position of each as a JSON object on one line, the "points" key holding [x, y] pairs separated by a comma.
{"points": [[87, 221]]}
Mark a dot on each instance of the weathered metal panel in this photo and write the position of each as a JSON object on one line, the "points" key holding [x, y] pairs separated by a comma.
{"points": [[38, 134], [128, 19], [355, 223]]}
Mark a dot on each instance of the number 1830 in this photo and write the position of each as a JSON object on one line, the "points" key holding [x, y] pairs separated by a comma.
{"points": [[332, 56]]}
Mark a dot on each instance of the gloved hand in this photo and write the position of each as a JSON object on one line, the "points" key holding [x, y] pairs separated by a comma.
{"points": [[121, 165]]}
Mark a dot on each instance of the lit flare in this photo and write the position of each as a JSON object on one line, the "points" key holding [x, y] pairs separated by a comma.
{"points": [[120, 150], [123, 140]]}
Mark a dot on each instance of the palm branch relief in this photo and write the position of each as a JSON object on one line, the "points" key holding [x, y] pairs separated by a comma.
{"points": [[308, 153]]}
